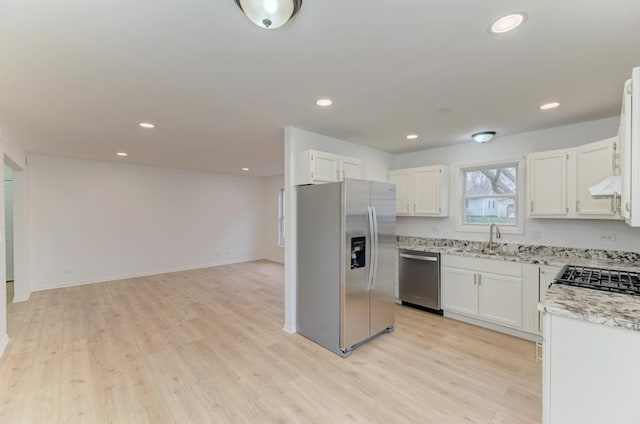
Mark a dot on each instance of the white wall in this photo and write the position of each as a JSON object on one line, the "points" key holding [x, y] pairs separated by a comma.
{"points": [[375, 165], [554, 232], [96, 221], [272, 249]]}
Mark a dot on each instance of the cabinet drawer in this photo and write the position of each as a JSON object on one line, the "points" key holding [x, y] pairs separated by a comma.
{"points": [[494, 266]]}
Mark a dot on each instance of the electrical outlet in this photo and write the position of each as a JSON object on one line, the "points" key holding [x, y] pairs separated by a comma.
{"points": [[607, 237], [534, 235]]}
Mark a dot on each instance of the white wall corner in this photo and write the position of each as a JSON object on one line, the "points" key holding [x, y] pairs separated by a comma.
{"points": [[23, 298]]}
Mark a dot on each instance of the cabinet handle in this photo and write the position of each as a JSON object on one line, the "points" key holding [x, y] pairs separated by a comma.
{"points": [[312, 175], [614, 203], [408, 208], [475, 279], [577, 205], [479, 279], [567, 210], [531, 206], [542, 271]]}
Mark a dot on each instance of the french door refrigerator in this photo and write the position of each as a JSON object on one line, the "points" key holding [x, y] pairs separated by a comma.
{"points": [[346, 235]]}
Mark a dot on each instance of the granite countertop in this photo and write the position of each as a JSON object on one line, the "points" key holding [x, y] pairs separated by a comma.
{"points": [[598, 307], [610, 309]]}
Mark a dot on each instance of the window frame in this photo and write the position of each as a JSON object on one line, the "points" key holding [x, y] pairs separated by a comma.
{"points": [[460, 197], [281, 218]]}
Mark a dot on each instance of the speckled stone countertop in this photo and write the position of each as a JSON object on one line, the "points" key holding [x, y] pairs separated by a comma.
{"points": [[531, 254], [598, 307]]}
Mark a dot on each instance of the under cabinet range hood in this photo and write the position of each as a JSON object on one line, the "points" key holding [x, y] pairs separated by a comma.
{"points": [[609, 187]]}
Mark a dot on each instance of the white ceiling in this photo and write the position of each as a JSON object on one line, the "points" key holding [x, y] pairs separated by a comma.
{"points": [[77, 76]]}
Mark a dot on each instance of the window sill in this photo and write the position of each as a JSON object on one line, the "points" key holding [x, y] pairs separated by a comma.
{"points": [[484, 228]]}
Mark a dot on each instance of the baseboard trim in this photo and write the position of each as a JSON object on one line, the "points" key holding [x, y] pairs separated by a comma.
{"points": [[3, 344], [289, 330], [495, 327], [140, 274], [21, 299]]}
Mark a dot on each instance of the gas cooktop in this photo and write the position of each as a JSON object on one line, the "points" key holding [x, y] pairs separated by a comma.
{"points": [[600, 279]]}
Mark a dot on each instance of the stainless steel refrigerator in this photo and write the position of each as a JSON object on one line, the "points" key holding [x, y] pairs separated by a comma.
{"points": [[345, 262]]}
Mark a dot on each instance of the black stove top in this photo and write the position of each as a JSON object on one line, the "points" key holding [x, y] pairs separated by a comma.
{"points": [[600, 279]]}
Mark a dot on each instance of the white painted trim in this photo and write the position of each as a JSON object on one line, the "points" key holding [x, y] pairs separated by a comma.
{"points": [[141, 274], [290, 330], [495, 327], [458, 198], [21, 299], [3, 344]]}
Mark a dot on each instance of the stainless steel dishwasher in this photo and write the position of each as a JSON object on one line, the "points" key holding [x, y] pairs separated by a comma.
{"points": [[419, 280]]}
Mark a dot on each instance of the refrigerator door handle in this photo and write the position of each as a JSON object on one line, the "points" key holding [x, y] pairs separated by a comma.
{"points": [[375, 246], [371, 248]]}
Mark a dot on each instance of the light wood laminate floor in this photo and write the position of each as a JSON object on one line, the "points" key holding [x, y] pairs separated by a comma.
{"points": [[207, 346]]}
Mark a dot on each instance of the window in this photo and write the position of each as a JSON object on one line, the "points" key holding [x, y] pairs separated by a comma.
{"points": [[490, 195], [281, 227]]}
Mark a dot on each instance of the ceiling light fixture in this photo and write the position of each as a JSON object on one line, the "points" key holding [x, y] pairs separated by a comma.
{"points": [[508, 23], [412, 136], [269, 14], [121, 154], [551, 105], [483, 137], [324, 102], [146, 125], [245, 169]]}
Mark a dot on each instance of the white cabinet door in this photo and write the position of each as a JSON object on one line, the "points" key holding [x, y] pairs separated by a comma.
{"points": [[594, 162], [427, 187], [324, 167], [547, 174], [459, 291], [350, 168], [500, 299], [402, 181], [547, 275]]}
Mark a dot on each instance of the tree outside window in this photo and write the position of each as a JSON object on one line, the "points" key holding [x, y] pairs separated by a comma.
{"points": [[490, 195]]}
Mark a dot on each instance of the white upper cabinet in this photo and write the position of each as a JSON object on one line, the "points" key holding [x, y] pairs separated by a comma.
{"points": [[547, 176], [315, 167], [558, 181], [629, 134], [421, 191], [595, 162], [401, 179], [350, 168]]}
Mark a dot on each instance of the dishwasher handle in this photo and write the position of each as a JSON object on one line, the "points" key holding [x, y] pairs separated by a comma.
{"points": [[420, 258]]}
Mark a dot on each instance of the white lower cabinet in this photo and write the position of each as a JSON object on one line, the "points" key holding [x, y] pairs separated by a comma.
{"points": [[490, 290], [590, 372]]}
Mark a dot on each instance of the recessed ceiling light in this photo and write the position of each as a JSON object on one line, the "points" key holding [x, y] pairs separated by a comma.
{"points": [[551, 105], [508, 23], [483, 137], [121, 154], [324, 102], [245, 169], [146, 125], [412, 136]]}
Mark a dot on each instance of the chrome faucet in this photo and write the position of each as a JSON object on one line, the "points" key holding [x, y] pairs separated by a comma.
{"points": [[498, 235]]}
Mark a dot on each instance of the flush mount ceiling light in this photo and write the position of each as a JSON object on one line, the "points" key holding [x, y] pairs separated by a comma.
{"points": [[146, 125], [269, 14], [245, 169], [121, 154], [324, 102], [508, 23], [412, 136], [483, 137], [551, 105]]}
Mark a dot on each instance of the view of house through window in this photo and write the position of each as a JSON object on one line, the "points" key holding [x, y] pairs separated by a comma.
{"points": [[281, 218], [490, 194]]}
